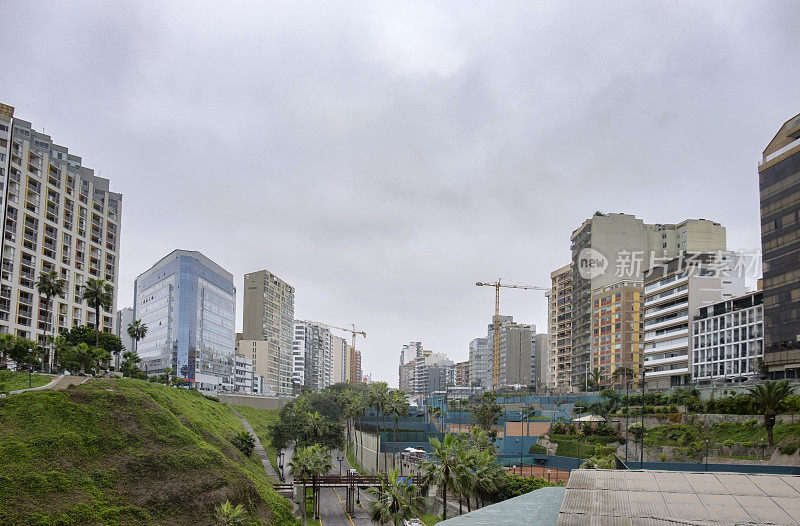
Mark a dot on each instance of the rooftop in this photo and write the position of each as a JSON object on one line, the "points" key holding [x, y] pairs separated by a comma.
{"points": [[538, 507], [655, 498]]}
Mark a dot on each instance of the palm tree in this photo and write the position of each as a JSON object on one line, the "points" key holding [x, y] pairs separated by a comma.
{"points": [[398, 406], [594, 379], [488, 476], [226, 515], [129, 365], [378, 396], [446, 465], [395, 501], [60, 346], [99, 295], [137, 330], [768, 397], [310, 462], [49, 286]]}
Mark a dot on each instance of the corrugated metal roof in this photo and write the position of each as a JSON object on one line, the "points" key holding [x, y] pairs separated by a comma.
{"points": [[668, 498]]}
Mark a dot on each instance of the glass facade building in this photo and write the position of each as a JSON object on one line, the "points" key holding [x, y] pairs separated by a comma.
{"points": [[188, 303]]}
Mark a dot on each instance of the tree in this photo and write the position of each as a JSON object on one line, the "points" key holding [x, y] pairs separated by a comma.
{"points": [[129, 366], [84, 356], [488, 476], [487, 413], [310, 462], [227, 515], [49, 285], [109, 342], [99, 295], [444, 468], [594, 380], [768, 397], [60, 346], [398, 407], [378, 398], [394, 501], [137, 330], [7, 344]]}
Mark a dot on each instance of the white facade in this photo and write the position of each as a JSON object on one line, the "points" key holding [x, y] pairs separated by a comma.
{"points": [[243, 375], [728, 339], [674, 294], [312, 353], [339, 351], [57, 216], [479, 362]]}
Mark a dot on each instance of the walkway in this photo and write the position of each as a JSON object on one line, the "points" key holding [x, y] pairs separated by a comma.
{"points": [[50, 385], [259, 448]]}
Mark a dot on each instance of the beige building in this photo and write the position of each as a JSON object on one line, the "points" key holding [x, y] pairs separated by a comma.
{"points": [[265, 365], [339, 350], [560, 329], [612, 248], [462, 374], [269, 316], [353, 366], [57, 216], [517, 343]]}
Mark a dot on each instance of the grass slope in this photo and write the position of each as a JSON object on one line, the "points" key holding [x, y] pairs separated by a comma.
{"points": [[125, 451], [12, 381], [260, 420]]}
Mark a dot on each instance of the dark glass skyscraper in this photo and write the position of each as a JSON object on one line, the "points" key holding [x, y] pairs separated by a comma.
{"points": [[779, 185]]}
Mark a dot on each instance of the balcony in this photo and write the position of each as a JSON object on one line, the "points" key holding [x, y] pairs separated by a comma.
{"points": [[667, 323], [671, 372]]}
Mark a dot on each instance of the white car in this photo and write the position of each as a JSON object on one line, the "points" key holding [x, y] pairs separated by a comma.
{"points": [[413, 522]]}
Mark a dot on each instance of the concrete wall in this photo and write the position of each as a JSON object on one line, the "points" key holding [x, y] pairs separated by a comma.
{"points": [[258, 402], [364, 452]]}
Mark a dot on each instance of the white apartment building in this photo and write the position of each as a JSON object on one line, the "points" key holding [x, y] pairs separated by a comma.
{"points": [[728, 339], [674, 294], [432, 371], [57, 216], [339, 351], [479, 373], [243, 375], [559, 314], [312, 353]]}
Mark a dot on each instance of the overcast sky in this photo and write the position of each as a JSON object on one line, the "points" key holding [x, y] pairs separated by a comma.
{"points": [[383, 157]]}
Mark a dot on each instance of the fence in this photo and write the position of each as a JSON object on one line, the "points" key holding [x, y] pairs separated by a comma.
{"points": [[702, 466]]}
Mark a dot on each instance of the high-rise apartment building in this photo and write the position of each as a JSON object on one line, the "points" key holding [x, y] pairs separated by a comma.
{"points": [[339, 351], [188, 303], [406, 383], [674, 292], [613, 248], [728, 339], [617, 322], [354, 371], [517, 347], [313, 355], [479, 373], [123, 320], [432, 371], [268, 315], [541, 377], [462, 374], [560, 328], [779, 185], [57, 216]]}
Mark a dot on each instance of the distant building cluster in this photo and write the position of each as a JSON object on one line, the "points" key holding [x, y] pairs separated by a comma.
{"points": [[58, 216]]}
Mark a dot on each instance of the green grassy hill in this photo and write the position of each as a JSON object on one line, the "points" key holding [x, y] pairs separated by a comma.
{"points": [[11, 381], [125, 452], [260, 420]]}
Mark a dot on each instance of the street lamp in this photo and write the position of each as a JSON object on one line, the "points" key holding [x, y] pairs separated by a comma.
{"points": [[548, 476], [280, 463], [340, 458], [706, 454]]}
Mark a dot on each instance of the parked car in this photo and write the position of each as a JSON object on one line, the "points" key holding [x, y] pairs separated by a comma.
{"points": [[413, 522]]}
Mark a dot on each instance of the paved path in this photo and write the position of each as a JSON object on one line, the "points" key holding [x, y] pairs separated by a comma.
{"points": [[50, 385], [66, 381], [259, 448]]}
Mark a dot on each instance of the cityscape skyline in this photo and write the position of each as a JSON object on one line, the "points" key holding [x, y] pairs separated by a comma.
{"points": [[397, 275]]}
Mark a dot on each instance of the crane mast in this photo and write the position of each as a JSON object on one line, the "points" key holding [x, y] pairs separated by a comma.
{"points": [[496, 324], [352, 331]]}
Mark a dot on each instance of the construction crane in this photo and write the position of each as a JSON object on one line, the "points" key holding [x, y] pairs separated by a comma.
{"points": [[352, 331], [497, 285]]}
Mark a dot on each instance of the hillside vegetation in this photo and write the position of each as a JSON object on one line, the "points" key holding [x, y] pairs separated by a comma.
{"points": [[260, 420], [12, 381], [126, 451]]}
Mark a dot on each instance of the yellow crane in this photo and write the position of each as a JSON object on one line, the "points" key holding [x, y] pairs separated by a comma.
{"points": [[352, 331], [496, 354]]}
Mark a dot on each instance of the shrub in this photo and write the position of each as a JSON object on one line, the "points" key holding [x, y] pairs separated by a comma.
{"points": [[244, 442], [558, 428], [729, 443], [747, 444], [788, 450], [537, 448], [606, 462]]}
